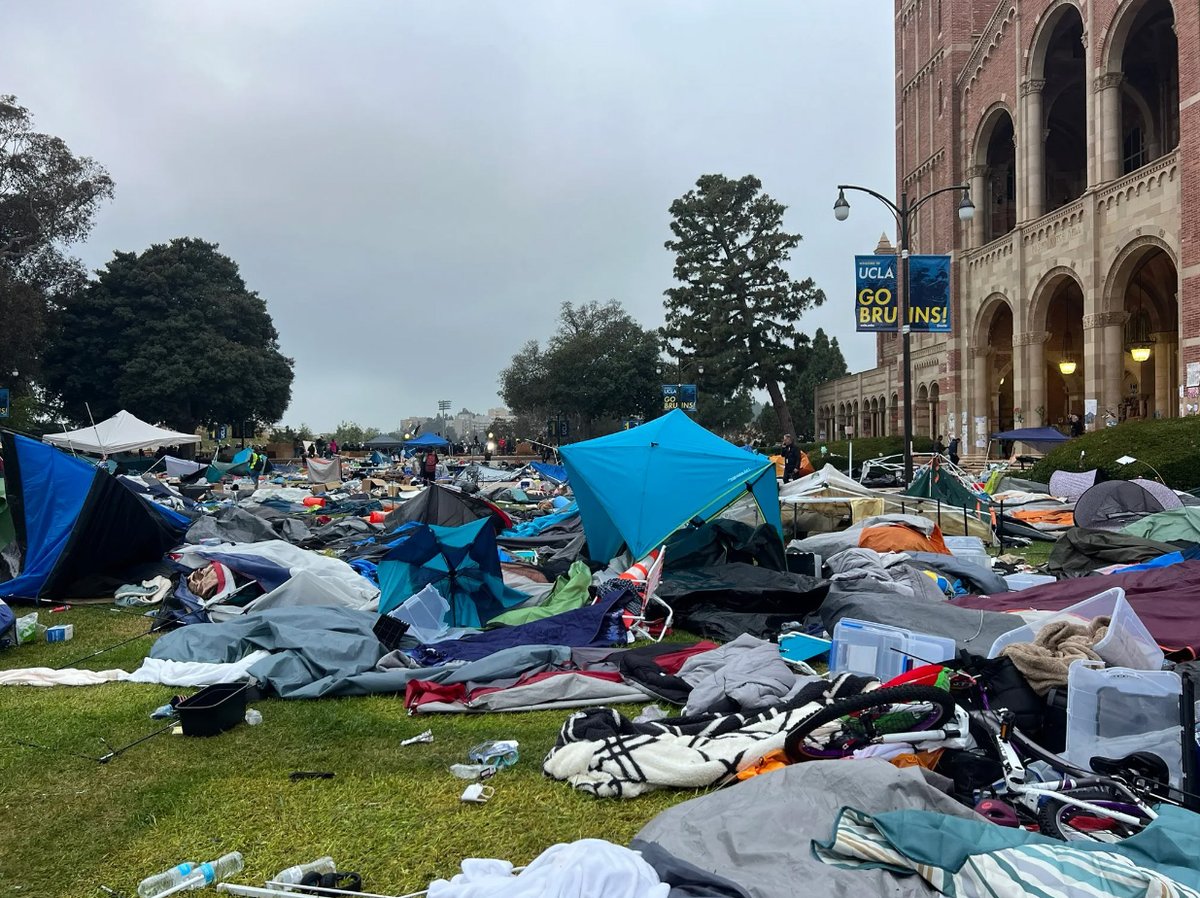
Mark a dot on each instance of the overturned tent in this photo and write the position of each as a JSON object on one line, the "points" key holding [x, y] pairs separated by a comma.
{"points": [[447, 507], [122, 432], [1115, 504], [637, 487], [72, 520], [461, 563]]}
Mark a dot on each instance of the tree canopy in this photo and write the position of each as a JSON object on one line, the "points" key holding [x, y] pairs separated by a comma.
{"points": [[173, 335], [48, 198], [599, 364], [736, 307]]}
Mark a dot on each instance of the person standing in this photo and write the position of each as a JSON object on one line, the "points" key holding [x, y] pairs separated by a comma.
{"points": [[939, 447], [791, 458], [1076, 426], [333, 447], [429, 466], [952, 450]]}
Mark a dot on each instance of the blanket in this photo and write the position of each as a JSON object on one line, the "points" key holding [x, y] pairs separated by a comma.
{"points": [[973, 857], [605, 754], [1045, 661]]}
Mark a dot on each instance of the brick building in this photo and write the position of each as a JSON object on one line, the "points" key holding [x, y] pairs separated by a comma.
{"points": [[1077, 125]]}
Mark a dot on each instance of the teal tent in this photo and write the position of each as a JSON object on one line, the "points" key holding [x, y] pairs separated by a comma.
{"points": [[636, 487]]}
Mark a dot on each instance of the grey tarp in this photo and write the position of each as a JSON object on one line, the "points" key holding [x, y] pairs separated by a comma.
{"points": [[757, 834], [974, 632], [231, 525], [1080, 551], [745, 675], [325, 651], [974, 577]]}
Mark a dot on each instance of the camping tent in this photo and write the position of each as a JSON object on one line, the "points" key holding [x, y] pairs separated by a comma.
{"points": [[122, 432], [1115, 504], [447, 507], [428, 441], [636, 487], [461, 563], [73, 520], [1043, 439]]}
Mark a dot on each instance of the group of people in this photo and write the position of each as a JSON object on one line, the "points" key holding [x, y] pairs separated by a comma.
{"points": [[950, 451], [318, 448]]}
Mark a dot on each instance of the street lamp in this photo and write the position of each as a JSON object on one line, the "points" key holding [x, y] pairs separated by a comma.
{"points": [[904, 212]]}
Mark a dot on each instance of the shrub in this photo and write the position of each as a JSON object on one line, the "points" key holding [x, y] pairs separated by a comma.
{"points": [[838, 451], [1170, 445]]}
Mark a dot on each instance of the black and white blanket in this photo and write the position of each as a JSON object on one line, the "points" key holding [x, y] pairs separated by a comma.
{"points": [[610, 756]]}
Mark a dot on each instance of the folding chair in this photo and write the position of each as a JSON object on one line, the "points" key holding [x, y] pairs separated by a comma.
{"points": [[636, 613]]}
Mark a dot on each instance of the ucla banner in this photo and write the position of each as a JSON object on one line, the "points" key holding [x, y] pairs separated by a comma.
{"points": [[928, 297], [679, 396]]}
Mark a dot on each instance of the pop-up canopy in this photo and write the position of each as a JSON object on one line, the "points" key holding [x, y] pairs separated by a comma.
{"points": [[122, 432], [428, 441]]}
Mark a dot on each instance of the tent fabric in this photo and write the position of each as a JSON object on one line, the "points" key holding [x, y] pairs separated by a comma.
{"points": [[1080, 551], [324, 470], [462, 563], [570, 592], [557, 473], [72, 520], [384, 441], [1071, 484], [758, 834], [936, 482], [1043, 439], [182, 467], [446, 507], [1178, 524], [637, 487], [1164, 598], [1115, 504], [123, 432], [428, 441]]}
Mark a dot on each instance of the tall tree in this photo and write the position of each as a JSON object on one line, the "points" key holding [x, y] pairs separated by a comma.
{"points": [[813, 363], [599, 364], [173, 335], [48, 198], [737, 306]]}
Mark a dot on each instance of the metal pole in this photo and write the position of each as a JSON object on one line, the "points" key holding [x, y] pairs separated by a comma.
{"points": [[902, 312]]}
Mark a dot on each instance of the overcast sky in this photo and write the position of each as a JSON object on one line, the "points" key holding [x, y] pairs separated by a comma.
{"points": [[414, 188]]}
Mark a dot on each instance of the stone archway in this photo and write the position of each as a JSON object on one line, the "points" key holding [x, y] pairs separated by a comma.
{"points": [[920, 411], [1057, 311], [994, 178], [1056, 144], [994, 387]]}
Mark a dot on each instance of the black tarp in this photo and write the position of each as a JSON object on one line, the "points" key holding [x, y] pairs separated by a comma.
{"points": [[723, 601], [1080, 551], [446, 507], [722, 541]]}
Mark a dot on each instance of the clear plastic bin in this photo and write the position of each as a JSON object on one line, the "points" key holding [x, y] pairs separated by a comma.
{"points": [[883, 652], [1127, 644], [1017, 582], [1113, 712], [969, 549]]}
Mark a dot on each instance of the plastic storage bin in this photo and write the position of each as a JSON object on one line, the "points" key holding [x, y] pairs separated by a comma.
{"points": [[214, 709], [969, 549], [1113, 712], [1127, 644], [1017, 582], [883, 652]]}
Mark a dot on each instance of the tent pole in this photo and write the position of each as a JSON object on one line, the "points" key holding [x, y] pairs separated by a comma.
{"points": [[103, 448]]}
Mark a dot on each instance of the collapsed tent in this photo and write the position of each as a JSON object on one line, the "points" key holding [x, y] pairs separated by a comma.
{"points": [[72, 520], [637, 487], [122, 432], [447, 507], [461, 563]]}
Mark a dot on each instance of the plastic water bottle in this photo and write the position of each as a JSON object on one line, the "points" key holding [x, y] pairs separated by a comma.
{"points": [[160, 882], [292, 875], [207, 874]]}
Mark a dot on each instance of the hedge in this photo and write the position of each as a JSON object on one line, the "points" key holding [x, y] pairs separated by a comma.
{"points": [[1171, 446], [838, 451]]}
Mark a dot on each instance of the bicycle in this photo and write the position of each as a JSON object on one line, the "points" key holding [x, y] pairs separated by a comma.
{"points": [[1108, 804]]}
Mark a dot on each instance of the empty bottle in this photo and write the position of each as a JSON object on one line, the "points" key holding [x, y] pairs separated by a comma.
{"points": [[160, 882], [292, 875], [207, 874]]}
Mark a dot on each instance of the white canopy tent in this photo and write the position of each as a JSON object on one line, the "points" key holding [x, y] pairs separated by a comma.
{"points": [[122, 432]]}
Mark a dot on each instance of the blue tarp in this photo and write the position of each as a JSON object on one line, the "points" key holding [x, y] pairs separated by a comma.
{"points": [[461, 563], [557, 473], [637, 487], [52, 491], [428, 441], [1043, 439], [539, 525]]}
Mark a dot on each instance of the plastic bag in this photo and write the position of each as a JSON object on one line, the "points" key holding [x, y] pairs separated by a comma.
{"points": [[27, 628]]}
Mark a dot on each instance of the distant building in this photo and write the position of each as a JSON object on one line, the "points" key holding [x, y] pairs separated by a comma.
{"points": [[502, 413], [1076, 288]]}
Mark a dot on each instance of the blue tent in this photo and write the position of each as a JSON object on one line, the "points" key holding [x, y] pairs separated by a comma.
{"points": [[1043, 439], [73, 520], [637, 487], [461, 563], [428, 441], [557, 473]]}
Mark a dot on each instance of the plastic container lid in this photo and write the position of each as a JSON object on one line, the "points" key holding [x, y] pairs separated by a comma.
{"points": [[884, 652]]}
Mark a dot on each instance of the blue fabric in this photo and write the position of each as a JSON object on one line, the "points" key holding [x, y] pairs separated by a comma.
{"points": [[461, 563], [592, 625], [53, 488], [539, 525], [557, 473], [637, 487], [7, 619], [428, 441], [377, 457], [1041, 438], [1161, 561], [268, 574]]}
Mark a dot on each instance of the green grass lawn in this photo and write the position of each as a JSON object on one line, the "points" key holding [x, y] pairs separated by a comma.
{"points": [[392, 813]]}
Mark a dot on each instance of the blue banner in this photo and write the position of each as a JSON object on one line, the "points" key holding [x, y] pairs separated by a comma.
{"points": [[4, 403], [928, 297], [679, 396]]}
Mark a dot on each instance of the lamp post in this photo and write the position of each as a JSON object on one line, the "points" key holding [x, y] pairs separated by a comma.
{"points": [[904, 212]]}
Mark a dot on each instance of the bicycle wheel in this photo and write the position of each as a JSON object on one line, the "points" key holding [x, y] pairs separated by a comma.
{"points": [[1071, 823], [844, 726]]}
